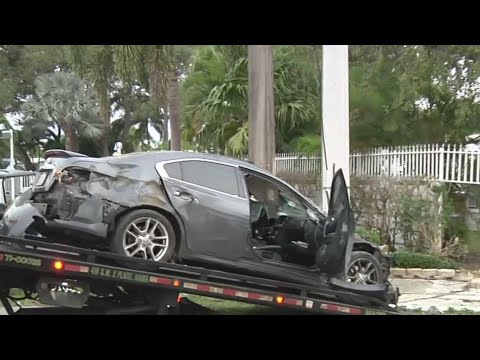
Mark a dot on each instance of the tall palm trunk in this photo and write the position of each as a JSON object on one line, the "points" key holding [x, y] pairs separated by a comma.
{"points": [[71, 139], [261, 117], [166, 132], [174, 110], [105, 116]]}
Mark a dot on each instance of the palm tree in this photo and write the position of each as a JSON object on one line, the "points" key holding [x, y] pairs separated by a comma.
{"points": [[215, 94], [63, 101], [153, 67], [96, 64]]}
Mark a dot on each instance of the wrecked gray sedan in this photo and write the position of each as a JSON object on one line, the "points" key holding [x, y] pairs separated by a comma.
{"points": [[199, 209]]}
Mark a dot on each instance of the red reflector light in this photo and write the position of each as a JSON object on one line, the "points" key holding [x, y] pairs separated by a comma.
{"points": [[280, 299], [58, 265]]}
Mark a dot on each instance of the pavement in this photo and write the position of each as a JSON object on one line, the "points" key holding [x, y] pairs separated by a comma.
{"points": [[442, 294]]}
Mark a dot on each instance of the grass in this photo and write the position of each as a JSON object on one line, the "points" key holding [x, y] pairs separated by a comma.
{"points": [[228, 307]]}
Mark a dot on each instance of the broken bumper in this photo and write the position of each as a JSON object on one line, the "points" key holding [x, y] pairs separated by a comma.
{"points": [[19, 217], [24, 218]]}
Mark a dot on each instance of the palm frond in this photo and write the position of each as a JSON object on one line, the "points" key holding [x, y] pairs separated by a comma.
{"points": [[76, 56], [233, 52], [101, 67], [126, 59], [61, 99]]}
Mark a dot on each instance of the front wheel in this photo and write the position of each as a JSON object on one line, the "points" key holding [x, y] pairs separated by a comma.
{"points": [[364, 269], [144, 234]]}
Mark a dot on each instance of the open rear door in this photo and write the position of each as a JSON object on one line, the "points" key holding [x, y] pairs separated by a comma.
{"points": [[334, 254]]}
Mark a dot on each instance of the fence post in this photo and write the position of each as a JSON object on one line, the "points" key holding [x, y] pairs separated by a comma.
{"points": [[441, 151]]}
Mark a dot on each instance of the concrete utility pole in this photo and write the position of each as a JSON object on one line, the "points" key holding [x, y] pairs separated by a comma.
{"points": [[261, 119], [336, 119]]}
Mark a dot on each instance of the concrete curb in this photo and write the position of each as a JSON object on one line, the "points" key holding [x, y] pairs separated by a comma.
{"points": [[436, 274]]}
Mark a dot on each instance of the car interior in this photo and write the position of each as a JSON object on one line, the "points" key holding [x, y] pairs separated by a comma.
{"points": [[284, 228]]}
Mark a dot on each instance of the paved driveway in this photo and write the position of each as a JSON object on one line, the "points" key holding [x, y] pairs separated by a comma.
{"points": [[443, 294]]}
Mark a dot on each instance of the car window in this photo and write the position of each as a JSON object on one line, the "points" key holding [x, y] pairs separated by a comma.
{"points": [[276, 198], [174, 170], [211, 175], [290, 204]]}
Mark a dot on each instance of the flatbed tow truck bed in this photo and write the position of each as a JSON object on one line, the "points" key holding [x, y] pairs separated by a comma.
{"points": [[92, 281]]}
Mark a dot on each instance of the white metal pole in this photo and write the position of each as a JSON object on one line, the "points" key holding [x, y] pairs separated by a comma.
{"points": [[12, 164], [336, 119]]}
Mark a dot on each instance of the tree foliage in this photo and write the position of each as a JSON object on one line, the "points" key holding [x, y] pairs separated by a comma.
{"points": [[399, 94], [64, 101]]}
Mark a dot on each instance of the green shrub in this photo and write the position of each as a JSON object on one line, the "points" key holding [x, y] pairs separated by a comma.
{"points": [[408, 259], [372, 235]]}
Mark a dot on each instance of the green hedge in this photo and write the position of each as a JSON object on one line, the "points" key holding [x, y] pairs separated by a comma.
{"points": [[407, 259]]}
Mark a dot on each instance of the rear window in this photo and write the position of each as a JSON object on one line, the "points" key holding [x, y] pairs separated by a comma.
{"points": [[211, 175], [174, 170]]}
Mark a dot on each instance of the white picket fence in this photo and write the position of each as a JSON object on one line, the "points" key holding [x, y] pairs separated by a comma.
{"points": [[403, 161], [297, 162], [443, 162]]}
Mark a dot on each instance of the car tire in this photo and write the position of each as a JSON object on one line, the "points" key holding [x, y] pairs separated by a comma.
{"points": [[364, 260], [363, 257], [134, 231]]}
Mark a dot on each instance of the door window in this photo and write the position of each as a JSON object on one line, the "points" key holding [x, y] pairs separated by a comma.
{"points": [[276, 199], [210, 175]]}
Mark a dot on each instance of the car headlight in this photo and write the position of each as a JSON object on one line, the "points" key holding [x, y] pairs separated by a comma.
{"points": [[383, 249]]}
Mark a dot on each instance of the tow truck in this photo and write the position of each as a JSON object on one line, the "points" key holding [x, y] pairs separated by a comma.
{"points": [[62, 276]]}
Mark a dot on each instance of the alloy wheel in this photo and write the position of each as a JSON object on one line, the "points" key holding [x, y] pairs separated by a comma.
{"points": [[146, 238]]}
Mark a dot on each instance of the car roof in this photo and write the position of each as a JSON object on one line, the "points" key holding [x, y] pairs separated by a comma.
{"points": [[141, 164], [170, 155]]}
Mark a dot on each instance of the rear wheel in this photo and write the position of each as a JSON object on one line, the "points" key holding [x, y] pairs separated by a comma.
{"points": [[144, 234]]}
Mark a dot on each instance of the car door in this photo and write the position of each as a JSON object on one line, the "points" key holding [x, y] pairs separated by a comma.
{"points": [[213, 207], [334, 254]]}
